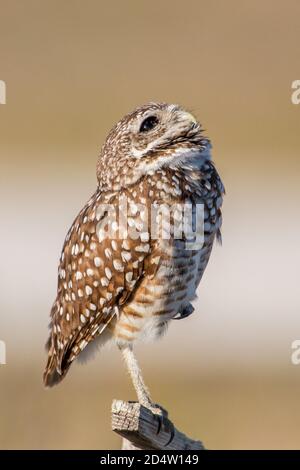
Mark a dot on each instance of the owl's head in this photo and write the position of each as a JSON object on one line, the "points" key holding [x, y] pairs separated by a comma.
{"points": [[153, 136]]}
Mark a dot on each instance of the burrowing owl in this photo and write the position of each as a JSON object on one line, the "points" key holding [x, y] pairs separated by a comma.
{"points": [[127, 266]]}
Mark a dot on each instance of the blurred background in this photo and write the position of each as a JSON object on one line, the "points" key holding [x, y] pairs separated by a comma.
{"points": [[72, 69]]}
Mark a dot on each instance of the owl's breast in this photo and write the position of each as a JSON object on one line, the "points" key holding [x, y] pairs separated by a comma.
{"points": [[185, 232]]}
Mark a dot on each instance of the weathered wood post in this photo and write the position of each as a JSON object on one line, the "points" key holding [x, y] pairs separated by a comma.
{"points": [[143, 430]]}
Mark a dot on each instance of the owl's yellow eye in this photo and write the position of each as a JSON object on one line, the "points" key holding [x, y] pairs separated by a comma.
{"points": [[149, 123]]}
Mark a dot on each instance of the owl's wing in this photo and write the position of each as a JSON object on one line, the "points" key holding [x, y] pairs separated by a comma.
{"points": [[97, 274]]}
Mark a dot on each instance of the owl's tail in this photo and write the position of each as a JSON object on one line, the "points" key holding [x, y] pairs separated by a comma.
{"points": [[51, 375], [54, 372]]}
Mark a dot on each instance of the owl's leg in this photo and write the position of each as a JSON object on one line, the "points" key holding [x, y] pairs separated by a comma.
{"points": [[143, 393], [137, 379]]}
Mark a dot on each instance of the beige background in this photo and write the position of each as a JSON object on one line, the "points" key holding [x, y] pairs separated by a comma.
{"points": [[72, 69]]}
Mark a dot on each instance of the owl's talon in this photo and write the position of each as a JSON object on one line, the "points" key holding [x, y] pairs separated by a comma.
{"points": [[170, 427], [159, 423]]}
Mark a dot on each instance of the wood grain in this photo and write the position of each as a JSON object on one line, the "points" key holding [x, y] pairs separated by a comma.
{"points": [[142, 429]]}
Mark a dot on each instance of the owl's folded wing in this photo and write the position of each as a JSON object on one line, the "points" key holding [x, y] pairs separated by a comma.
{"points": [[99, 269]]}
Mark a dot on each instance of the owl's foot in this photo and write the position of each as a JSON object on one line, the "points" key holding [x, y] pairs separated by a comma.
{"points": [[162, 419], [155, 409], [165, 423], [184, 312]]}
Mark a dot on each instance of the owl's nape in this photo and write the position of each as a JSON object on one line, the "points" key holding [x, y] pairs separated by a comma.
{"points": [[128, 289]]}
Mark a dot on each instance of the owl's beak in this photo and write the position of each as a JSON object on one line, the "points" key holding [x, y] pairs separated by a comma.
{"points": [[189, 117], [188, 120]]}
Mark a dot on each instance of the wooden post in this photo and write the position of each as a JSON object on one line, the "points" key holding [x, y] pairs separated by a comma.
{"points": [[143, 430]]}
